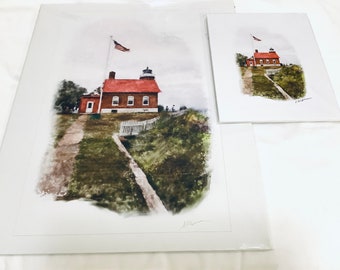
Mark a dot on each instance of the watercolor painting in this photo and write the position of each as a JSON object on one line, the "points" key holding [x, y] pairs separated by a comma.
{"points": [[263, 74], [120, 148], [264, 71]]}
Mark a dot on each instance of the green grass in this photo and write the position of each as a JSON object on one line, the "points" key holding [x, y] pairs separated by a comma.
{"points": [[109, 123], [102, 175], [291, 79], [263, 87], [173, 155], [101, 172]]}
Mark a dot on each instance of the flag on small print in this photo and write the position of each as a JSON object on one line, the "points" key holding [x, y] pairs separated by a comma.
{"points": [[120, 47], [255, 38]]}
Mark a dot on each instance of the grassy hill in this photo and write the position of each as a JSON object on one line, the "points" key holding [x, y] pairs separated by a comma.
{"points": [[264, 87], [290, 78], [173, 155], [101, 173]]}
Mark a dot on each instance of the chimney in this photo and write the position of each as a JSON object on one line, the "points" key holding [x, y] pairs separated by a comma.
{"points": [[112, 75], [256, 50]]}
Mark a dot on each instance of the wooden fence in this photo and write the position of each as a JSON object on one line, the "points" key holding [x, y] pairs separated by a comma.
{"points": [[131, 127]]}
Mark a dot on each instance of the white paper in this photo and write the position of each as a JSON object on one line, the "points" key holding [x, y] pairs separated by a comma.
{"points": [[291, 36], [67, 42]]}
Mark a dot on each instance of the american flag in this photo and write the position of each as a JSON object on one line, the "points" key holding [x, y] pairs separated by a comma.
{"points": [[120, 47], [255, 38]]}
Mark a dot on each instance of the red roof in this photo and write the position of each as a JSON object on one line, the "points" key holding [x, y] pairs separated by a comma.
{"points": [[130, 86], [266, 55]]}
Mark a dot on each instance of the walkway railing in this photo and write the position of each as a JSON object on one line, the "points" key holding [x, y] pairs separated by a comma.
{"points": [[132, 128]]}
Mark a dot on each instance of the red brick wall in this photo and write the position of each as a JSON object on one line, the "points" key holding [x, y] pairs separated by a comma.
{"points": [[271, 61], [123, 98], [250, 62], [83, 104]]}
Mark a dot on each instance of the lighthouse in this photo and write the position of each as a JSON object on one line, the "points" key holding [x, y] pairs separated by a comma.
{"points": [[147, 74]]}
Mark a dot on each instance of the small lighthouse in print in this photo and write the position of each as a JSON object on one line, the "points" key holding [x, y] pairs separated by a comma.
{"points": [[264, 59]]}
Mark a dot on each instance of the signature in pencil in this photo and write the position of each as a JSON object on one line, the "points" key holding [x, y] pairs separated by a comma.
{"points": [[191, 223], [302, 100]]}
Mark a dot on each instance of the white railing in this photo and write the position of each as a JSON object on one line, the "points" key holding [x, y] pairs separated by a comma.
{"points": [[131, 127], [272, 71]]}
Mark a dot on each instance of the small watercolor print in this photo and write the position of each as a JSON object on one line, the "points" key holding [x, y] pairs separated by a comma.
{"points": [[264, 71]]}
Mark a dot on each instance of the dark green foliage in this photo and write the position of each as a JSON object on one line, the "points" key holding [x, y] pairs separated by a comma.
{"points": [[241, 59], [160, 108], [173, 155], [291, 79], [68, 96]]}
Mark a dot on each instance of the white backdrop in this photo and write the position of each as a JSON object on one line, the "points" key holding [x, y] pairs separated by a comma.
{"points": [[299, 163]]}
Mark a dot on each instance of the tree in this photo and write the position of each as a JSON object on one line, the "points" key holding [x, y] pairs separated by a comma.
{"points": [[68, 96], [160, 108], [241, 59]]}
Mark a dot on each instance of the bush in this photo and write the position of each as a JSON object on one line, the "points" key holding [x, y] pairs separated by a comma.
{"points": [[291, 79]]}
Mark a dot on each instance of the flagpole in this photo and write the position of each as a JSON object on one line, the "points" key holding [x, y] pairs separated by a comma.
{"points": [[254, 39], [105, 75], [252, 46]]}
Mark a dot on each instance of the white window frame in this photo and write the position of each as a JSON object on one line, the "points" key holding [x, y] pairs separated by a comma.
{"points": [[131, 98], [115, 100], [147, 99]]}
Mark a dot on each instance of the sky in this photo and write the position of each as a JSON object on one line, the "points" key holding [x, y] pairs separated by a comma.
{"points": [[269, 39], [163, 41], [288, 34]]}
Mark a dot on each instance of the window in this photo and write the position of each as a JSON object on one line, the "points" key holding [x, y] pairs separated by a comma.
{"points": [[261, 62], [130, 100], [145, 100], [274, 61], [267, 61], [115, 101], [89, 105]]}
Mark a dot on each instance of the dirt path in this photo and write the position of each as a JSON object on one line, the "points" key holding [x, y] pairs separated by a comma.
{"points": [[152, 200], [58, 166], [59, 163], [247, 79]]}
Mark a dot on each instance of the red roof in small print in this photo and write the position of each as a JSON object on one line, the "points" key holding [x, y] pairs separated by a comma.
{"points": [[266, 55], [130, 86]]}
